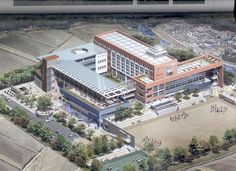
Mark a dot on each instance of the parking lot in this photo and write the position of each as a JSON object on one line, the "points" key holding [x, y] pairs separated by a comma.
{"points": [[56, 128]]}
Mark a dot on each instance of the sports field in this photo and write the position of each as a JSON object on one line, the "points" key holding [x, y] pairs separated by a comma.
{"points": [[118, 163], [202, 120]]}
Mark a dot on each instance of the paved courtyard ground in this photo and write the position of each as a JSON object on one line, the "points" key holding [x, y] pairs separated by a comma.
{"points": [[202, 120]]}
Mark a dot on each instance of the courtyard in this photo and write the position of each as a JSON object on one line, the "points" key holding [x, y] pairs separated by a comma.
{"points": [[202, 120]]}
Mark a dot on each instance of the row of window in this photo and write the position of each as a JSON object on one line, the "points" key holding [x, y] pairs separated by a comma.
{"points": [[102, 60], [181, 83], [102, 67], [127, 67]]}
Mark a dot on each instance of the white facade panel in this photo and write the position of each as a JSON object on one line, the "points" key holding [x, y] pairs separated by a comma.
{"points": [[7, 6], [101, 63]]}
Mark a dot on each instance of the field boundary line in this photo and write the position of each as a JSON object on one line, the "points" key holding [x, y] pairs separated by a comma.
{"points": [[209, 161], [18, 53]]}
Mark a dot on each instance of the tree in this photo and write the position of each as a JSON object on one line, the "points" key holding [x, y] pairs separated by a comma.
{"points": [[18, 112], [229, 78], [214, 144], [230, 135], [90, 134], [105, 144], [113, 144], [44, 102], [180, 154], [153, 164], [149, 147], [120, 141], [129, 167], [90, 150], [79, 130], [3, 106], [97, 143], [31, 127], [165, 154], [129, 111], [96, 165], [71, 123], [164, 158], [178, 96], [21, 121], [138, 106], [204, 147], [193, 147], [46, 135], [181, 54], [59, 143], [81, 154], [143, 165]]}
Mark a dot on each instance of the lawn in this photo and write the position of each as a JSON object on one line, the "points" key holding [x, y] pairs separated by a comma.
{"points": [[201, 120]]}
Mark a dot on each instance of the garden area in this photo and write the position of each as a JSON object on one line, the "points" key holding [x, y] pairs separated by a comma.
{"points": [[186, 94], [124, 113]]}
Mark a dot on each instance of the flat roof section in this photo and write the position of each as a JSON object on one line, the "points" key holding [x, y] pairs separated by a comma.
{"points": [[196, 63], [134, 47], [145, 79], [78, 52], [84, 75]]}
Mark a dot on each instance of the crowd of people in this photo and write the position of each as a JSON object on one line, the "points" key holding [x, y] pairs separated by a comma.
{"points": [[179, 116]]}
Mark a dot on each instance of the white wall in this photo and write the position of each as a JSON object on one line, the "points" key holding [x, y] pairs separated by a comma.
{"points": [[101, 63], [6, 6]]}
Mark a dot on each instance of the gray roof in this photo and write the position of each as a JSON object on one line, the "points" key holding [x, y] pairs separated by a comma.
{"points": [[76, 70], [91, 49]]}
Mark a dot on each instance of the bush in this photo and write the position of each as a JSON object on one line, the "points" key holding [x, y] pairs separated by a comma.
{"points": [[44, 102], [181, 54], [180, 154], [186, 97], [195, 95]]}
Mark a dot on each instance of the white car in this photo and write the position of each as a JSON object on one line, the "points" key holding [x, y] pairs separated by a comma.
{"points": [[49, 119]]}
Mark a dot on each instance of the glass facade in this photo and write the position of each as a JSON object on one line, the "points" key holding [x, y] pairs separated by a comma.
{"points": [[180, 84]]}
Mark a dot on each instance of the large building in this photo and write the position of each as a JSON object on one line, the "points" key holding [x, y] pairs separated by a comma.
{"points": [[115, 6], [147, 74], [155, 73], [77, 74]]}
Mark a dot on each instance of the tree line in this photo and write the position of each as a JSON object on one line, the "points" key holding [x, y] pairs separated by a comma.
{"points": [[17, 76], [162, 159]]}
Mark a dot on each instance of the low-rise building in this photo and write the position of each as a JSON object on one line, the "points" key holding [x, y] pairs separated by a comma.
{"points": [[77, 73]]}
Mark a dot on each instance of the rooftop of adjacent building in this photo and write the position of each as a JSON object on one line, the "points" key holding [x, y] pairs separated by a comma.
{"points": [[153, 55], [76, 53]]}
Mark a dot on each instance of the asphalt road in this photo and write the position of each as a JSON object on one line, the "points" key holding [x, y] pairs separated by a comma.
{"points": [[53, 125]]}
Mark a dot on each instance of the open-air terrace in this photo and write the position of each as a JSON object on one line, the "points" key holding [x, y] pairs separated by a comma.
{"points": [[196, 64], [93, 101]]}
